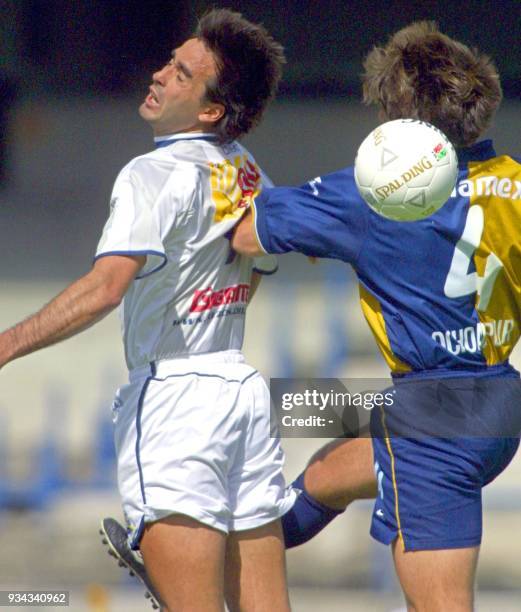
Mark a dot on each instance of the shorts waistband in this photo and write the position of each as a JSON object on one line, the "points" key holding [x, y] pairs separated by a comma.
{"points": [[499, 369], [165, 367]]}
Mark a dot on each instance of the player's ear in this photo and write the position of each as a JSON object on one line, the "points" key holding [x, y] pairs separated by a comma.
{"points": [[212, 112]]}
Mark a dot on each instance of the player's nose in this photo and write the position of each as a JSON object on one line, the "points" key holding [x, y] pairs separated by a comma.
{"points": [[160, 75]]}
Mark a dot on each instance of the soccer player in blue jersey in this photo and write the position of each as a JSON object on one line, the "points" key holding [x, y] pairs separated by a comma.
{"points": [[442, 297]]}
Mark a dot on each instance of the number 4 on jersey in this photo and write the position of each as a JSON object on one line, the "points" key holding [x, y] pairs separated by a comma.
{"points": [[459, 281]]}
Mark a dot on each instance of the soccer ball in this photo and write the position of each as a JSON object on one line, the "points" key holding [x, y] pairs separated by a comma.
{"points": [[406, 169]]}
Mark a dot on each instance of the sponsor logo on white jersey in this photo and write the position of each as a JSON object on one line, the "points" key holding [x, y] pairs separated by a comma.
{"points": [[206, 299]]}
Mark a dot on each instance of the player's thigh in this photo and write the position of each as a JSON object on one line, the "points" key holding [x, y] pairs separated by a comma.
{"points": [[437, 580], [257, 491], [255, 570], [176, 448], [185, 561], [341, 472]]}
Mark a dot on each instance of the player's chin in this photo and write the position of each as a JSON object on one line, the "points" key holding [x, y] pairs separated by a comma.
{"points": [[147, 113]]}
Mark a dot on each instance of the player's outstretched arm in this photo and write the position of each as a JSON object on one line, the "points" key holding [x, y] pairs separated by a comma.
{"points": [[244, 239], [79, 306]]}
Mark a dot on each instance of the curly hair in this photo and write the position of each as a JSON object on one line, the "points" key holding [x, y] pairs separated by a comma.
{"points": [[249, 68], [423, 74]]}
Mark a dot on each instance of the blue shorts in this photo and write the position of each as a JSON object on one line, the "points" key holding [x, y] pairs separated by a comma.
{"points": [[435, 448]]}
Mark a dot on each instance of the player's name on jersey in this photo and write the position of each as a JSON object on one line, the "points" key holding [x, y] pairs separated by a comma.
{"points": [[487, 186], [472, 339]]}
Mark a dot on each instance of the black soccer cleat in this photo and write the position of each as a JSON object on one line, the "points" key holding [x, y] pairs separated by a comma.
{"points": [[115, 537]]}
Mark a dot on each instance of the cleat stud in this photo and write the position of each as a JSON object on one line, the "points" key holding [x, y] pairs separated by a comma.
{"points": [[132, 573], [147, 595], [121, 564]]}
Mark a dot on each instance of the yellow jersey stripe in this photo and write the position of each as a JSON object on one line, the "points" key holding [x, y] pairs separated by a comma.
{"points": [[374, 317], [502, 220], [393, 472]]}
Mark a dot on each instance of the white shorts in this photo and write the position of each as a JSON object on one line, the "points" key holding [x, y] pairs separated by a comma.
{"points": [[193, 437]]}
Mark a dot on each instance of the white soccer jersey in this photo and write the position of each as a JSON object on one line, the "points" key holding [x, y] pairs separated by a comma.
{"points": [[176, 205]]}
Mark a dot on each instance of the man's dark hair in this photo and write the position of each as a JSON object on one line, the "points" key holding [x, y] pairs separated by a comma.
{"points": [[423, 74], [249, 67]]}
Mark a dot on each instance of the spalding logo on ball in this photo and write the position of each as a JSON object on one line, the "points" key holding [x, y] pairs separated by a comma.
{"points": [[406, 169]]}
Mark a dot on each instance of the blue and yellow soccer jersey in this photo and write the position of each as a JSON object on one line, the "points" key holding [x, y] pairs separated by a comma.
{"points": [[442, 294]]}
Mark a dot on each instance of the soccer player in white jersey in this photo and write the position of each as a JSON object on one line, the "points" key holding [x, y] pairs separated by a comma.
{"points": [[200, 476]]}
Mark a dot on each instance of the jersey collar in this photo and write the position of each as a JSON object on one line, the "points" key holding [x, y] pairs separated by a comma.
{"points": [[480, 151], [165, 141]]}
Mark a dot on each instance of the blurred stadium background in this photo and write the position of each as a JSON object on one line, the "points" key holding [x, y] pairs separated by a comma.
{"points": [[71, 77]]}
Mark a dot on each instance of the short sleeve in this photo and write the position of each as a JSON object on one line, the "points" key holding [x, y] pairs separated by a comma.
{"points": [[131, 228], [324, 218], [265, 264]]}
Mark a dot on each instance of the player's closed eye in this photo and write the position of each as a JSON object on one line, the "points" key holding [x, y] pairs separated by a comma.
{"points": [[180, 76]]}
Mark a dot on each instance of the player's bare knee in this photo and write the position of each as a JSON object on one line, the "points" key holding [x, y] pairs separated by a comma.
{"points": [[341, 472]]}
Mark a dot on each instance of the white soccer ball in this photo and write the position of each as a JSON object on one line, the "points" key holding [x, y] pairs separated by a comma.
{"points": [[406, 169]]}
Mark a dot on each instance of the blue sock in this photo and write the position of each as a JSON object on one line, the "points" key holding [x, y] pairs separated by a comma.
{"points": [[307, 517]]}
